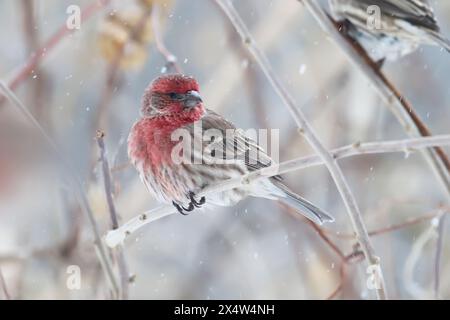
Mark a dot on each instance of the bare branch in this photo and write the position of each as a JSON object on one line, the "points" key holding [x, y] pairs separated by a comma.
{"points": [[122, 264], [395, 227]]}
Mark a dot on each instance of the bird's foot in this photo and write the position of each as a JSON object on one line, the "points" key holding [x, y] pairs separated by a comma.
{"points": [[184, 211], [194, 202]]}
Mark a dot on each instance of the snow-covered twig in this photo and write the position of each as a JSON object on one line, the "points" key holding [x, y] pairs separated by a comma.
{"points": [[73, 179], [308, 132]]}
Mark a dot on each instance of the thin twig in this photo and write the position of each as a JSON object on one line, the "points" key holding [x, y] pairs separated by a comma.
{"points": [[107, 180], [115, 237], [171, 59], [354, 257], [407, 223], [73, 178], [328, 242], [24, 71], [3, 286], [339, 287], [121, 262], [325, 238], [344, 259], [381, 231]]}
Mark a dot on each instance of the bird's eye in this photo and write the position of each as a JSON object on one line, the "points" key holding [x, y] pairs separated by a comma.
{"points": [[175, 96]]}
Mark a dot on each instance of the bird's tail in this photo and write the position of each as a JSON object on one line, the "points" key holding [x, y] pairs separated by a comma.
{"points": [[440, 40], [302, 205]]}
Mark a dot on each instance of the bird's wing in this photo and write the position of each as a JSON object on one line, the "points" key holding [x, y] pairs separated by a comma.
{"points": [[417, 12], [234, 143]]}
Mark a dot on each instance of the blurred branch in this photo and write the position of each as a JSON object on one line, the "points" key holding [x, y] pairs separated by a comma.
{"points": [[115, 237], [30, 31], [73, 178], [322, 235], [29, 25], [395, 227], [112, 79], [3, 286], [107, 179], [171, 59], [345, 259], [67, 247], [438, 256], [121, 167], [440, 215], [122, 264], [354, 257], [33, 61], [416, 255], [396, 101]]}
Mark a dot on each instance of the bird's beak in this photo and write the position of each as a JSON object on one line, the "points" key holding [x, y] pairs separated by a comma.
{"points": [[192, 99]]}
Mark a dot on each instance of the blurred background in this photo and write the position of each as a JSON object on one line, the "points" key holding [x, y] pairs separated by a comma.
{"points": [[93, 78]]}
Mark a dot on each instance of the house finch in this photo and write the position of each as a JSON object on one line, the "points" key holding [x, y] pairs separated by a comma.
{"points": [[389, 29], [172, 103]]}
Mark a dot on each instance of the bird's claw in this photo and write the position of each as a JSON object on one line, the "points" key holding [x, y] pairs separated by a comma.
{"points": [[194, 202], [182, 209], [191, 206]]}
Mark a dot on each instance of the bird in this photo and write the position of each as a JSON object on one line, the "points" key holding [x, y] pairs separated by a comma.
{"points": [[389, 29], [171, 104]]}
